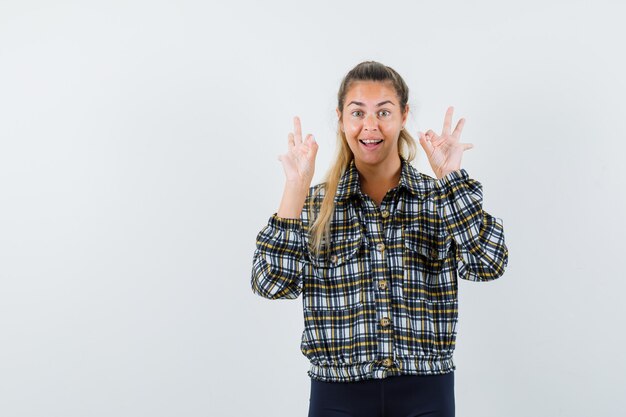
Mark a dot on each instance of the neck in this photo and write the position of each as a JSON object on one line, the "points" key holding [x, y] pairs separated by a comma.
{"points": [[383, 176]]}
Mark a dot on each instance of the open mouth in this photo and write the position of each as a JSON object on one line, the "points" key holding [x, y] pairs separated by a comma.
{"points": [[370, 143]]}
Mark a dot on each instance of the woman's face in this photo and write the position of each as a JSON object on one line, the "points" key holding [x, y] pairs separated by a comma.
{"points": [[372, 120]]}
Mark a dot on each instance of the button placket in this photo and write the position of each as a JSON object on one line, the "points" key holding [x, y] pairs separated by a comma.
{"points": [[377, 224], [388, 362]]}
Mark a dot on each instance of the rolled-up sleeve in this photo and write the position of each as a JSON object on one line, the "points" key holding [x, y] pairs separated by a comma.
{"points": [[278, 259], [481, 250]]}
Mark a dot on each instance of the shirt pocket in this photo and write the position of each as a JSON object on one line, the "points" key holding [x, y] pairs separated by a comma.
{"points": [[337, 276], [428, 267]]}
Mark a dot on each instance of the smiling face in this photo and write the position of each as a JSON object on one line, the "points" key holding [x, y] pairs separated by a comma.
{"points": [[371, 121]]}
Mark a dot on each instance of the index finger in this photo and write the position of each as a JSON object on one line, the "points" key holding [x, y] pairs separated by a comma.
{"points": [[447, 121]]}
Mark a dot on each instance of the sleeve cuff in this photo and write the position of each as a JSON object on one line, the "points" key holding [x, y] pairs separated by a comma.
{"points": [[451, 179], [284, 223]]}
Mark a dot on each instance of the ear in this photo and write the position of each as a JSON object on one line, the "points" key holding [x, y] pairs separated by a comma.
{"points": [[405, 115], [339, 118]]}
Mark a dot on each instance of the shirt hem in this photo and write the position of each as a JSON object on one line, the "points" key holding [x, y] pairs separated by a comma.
{"points": [[376, 370]]}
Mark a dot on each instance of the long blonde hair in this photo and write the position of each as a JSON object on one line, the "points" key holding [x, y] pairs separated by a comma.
{"points": [[407, 148]]}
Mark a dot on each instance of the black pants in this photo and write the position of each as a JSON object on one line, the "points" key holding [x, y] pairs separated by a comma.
{"points": [[394, 396]]}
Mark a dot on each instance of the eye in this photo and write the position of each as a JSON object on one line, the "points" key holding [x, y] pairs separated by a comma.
{"points": [[357, 113], [384, 113]]}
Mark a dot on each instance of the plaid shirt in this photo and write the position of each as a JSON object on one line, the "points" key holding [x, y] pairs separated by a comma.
{"points": [[381, 299]]}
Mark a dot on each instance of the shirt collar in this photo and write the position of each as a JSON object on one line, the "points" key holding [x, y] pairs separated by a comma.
{"points": [[410, 179]]}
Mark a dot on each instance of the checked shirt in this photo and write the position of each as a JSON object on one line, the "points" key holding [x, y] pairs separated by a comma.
{"points": [[381, 298]]}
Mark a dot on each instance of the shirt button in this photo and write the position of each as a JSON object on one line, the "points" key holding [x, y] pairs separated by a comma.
{"points": [[333, 259], [380, 247], [434, 253], [384, 322], [385, 214], [382, 285], [387, 362]]}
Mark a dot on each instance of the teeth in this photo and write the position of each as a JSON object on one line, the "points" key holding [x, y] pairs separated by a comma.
{"points": [[368, 141]]}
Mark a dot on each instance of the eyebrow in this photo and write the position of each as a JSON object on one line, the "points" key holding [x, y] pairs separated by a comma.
{"points": [[358, 103]]}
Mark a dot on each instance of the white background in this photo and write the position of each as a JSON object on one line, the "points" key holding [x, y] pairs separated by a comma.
{"points": [[138, 161]]}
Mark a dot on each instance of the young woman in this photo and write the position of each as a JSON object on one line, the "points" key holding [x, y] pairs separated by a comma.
{"points": [[376, 251]]}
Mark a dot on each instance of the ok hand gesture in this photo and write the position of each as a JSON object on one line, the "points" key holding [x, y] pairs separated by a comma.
{"points": [[299, 161], [444, 152]]}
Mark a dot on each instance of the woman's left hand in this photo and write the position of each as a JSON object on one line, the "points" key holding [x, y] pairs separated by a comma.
{"points": [[444, 152]]}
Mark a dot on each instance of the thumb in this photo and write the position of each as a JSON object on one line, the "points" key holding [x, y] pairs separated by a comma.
{"points": [[426, 144]]}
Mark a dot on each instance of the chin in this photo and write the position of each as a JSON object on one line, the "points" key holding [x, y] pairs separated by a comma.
{"points": [[369, 159]]}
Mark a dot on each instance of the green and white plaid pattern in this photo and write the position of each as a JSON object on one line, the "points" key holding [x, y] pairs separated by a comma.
{"points": [[381, 298]]}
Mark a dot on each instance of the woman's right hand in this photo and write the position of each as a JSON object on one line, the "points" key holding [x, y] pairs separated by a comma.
{"points": [[299, 161]]}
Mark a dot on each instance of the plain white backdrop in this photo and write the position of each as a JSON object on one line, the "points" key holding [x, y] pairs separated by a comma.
{"points": [[138, 161]]}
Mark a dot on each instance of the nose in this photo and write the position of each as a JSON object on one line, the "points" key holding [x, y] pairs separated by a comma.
{"points": [[370, 122]]}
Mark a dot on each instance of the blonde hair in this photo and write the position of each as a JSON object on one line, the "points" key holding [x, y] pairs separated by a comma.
{"points": [[407, 148]]}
